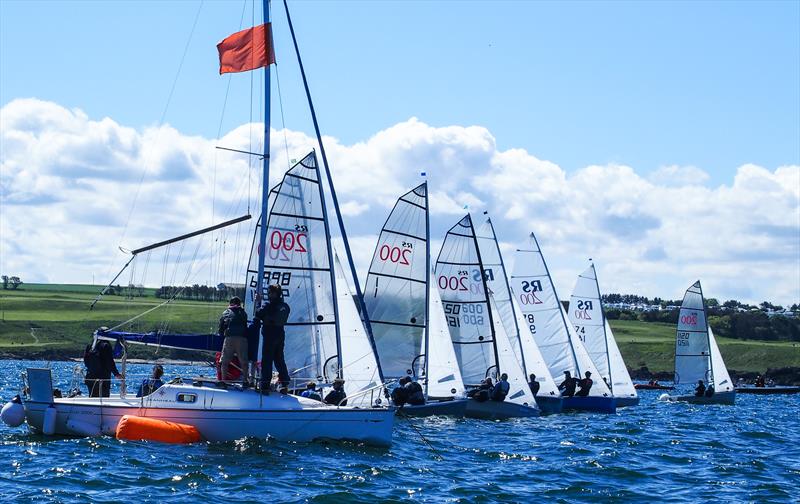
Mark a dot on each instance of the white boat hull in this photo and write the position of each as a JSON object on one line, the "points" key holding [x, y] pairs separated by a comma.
{"points": [[221, 415]]}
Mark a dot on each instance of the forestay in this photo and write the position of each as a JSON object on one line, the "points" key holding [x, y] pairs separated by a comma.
{"points": [[443, 376], [589, 321], [546, 319], [298, 258], [522, 342], [396, 292]]}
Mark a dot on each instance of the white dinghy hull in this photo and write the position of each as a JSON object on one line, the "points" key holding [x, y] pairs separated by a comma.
{"points": [[220, 415]]}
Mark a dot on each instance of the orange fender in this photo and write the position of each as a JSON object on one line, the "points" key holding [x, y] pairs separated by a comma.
{"points": [[135, 428]]}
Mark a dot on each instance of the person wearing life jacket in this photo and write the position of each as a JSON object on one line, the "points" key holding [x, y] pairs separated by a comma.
{"points": [[233, 327], [150, 385], [415, 395], [273, 316], [567, 387], [585, 385], [337, 396], [400, 393], [710, 390], [311, 392], [534, 385], [253, 330], [481, 393], [700, 390], [500, 390], [99, 360]]}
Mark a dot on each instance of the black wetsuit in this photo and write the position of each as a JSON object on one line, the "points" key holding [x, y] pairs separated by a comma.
{"points": [[100, 366], [700, 390], [273, 316], [585, 386], [568, 386], [535, 386]]}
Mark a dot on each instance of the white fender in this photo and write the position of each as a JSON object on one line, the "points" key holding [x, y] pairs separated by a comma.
{"points": [[49, 423], [13, 413]]}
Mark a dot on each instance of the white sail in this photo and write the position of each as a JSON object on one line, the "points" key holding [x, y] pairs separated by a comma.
{"points": [[444, 376], [547, 320], [298, 259], [519, 391], [692, 347], [395, 291], [359, 365], [722, 380], [588, 320], [522, 341]]}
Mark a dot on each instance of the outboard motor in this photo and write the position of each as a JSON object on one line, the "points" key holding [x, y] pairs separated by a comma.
{"points": [[13, 413]]}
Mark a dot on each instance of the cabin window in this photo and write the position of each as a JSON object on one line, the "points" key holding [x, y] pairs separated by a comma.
{"points": [[187, 398]]}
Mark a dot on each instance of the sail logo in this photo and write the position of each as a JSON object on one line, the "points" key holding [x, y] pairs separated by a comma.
{"points": [[690, 319], [488, 275], [529, 290], [532, 286]]}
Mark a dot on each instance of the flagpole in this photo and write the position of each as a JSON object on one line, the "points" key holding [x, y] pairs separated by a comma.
{"points": [[262, 238]]}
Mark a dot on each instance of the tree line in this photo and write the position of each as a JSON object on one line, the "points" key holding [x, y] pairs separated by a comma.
{"points": [[198, 292]]}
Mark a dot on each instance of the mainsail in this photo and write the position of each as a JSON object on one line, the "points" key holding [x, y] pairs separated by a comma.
{"points": [[522, 342], [546, 319], [396, 292], [697, 356], [480, 340], [587, 317]]}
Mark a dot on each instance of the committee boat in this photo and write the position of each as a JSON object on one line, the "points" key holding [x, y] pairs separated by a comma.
{"points": [[328, 331], [408, 323], [588, 318], [482, 345], [697, 356]]}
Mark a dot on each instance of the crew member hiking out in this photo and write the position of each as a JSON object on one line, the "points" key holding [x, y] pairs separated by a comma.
{"points": [[585, 385], [273, 316], [567, 387], [233, 327], [500, 390]]}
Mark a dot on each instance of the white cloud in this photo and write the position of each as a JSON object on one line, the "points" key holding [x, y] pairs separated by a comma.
{"points": [[67, 183]]}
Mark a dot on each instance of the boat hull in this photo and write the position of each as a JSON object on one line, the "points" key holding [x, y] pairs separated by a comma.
{"points": [[549, 405], [767, 390], [627, 401], [455, 408], [234, 415], [728, 398], [594, 404], [644, 386], [495, 410]]}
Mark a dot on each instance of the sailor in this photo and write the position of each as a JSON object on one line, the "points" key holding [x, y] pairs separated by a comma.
{"points": [[252, 349], [337, 396], [149, 385], [710, 390], [481, 394], [311, 392], [585, 385], [273, 316], [233, 327], [400, 393], [700, 390], [534, 385], [415, 396], [500, 391], [99, 359], [760, 382], [567, 387]]}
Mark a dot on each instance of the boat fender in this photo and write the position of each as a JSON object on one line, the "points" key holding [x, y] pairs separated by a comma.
{"points": [[83, 428], [13, 413], [49, 422], [135, 428]]}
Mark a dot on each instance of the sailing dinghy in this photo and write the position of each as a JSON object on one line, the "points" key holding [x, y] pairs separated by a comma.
{"points": [[482, 344], [548, 398], [408, 323], [697, 356], [588, 318], [547, 321], [326, 336]]}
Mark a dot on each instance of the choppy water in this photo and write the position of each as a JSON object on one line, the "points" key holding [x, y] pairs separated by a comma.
{"points": [[653, 452]]}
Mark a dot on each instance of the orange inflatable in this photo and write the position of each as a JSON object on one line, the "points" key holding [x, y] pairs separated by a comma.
{"points": [[135, 428]]}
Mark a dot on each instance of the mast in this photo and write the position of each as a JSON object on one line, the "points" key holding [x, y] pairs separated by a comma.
{"points": [[708, 339], [262, 238], [427, 287], [485, 294], [605, 333]]}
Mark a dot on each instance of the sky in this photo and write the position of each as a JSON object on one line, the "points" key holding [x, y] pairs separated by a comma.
{"points": [[661, 139]]}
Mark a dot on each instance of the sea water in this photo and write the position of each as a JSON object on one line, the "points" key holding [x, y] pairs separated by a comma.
{"points": [[652, 452]]}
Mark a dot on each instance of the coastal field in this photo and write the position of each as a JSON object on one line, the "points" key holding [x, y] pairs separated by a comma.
{"points": [[54, 322]]}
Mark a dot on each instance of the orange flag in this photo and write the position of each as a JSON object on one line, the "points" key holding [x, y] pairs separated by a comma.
{"points": [[246, 50]]}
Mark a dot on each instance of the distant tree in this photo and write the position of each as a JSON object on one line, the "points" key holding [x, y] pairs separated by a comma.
{"points": [[731, 303], [795, 307], [712, 302], [5, 281], [15, 282]]}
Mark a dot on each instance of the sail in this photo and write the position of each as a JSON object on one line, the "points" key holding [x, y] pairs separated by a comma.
{"points": [[465, 302], [396, 290], [587, 318], [443, 377], [522, 342], [359, 365], [252, 266], [722, 380], [692, 348], [546, 319], [519, 391], [298, 259]]}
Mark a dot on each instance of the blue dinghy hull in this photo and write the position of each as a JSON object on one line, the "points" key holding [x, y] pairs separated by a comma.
{"points": [[627, 401], [549, 405], [495, 410], [455, 408], [595, 404]]}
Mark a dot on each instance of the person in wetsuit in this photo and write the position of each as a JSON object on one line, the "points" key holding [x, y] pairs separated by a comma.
{"points": [[567, 387], [273, 316], [700, 390], [481, 394], [585, 385], [534, 385], [500, 390], [99, 360]]}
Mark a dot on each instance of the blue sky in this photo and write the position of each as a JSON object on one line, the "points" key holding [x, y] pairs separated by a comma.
{"points": [[709, 84]]}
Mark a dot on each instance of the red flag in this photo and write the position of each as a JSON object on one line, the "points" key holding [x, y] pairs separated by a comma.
{"points": [[246, 50]]}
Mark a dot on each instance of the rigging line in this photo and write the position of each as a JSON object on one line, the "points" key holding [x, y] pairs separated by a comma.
{"points": [[283, 119], [437, 454]]}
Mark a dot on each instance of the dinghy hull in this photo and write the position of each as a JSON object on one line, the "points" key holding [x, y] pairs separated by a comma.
{"points": [[455, 408], [627, 401], [594, 404], [495, 410], [549, 405], [220, 415], [728, 398], [768, 390]]}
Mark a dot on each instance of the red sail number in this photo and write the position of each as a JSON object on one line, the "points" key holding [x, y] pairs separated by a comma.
{"points": [[394, 254], [288, 241]]}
